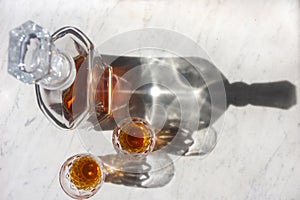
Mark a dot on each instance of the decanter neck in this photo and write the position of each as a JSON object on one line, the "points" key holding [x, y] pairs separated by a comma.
{"points": [[61, 73]]}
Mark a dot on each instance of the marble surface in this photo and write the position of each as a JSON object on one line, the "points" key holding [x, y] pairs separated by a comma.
{"points": [[258, 153]]}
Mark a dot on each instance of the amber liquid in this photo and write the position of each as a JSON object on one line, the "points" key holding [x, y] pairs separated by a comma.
{"points": [[76, 93], [75, 97], [134, 137], [85, 173], [104, 81]]}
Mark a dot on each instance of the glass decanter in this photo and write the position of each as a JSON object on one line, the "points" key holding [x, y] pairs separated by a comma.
{"points": [[140, 104]]}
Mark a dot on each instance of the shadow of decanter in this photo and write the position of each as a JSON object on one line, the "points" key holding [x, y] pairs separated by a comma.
{"points": [[199, 73]]}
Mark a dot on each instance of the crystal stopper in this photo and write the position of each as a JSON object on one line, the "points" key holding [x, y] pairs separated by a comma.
{"points": [[29, 52]]}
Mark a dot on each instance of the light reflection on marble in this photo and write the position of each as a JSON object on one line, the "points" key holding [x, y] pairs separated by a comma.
{"points": [[258, 154]]}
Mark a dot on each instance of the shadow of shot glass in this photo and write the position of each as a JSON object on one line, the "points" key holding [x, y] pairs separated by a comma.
{"points": [[156, 170]]}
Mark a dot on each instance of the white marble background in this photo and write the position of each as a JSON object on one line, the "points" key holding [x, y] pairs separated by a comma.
{"points": [[258, 154]]}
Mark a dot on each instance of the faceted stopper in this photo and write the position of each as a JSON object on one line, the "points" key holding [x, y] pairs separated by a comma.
{"points": [[29, 52]]}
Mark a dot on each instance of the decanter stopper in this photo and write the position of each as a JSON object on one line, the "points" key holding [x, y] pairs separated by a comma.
{"points": [[33, 58]]}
